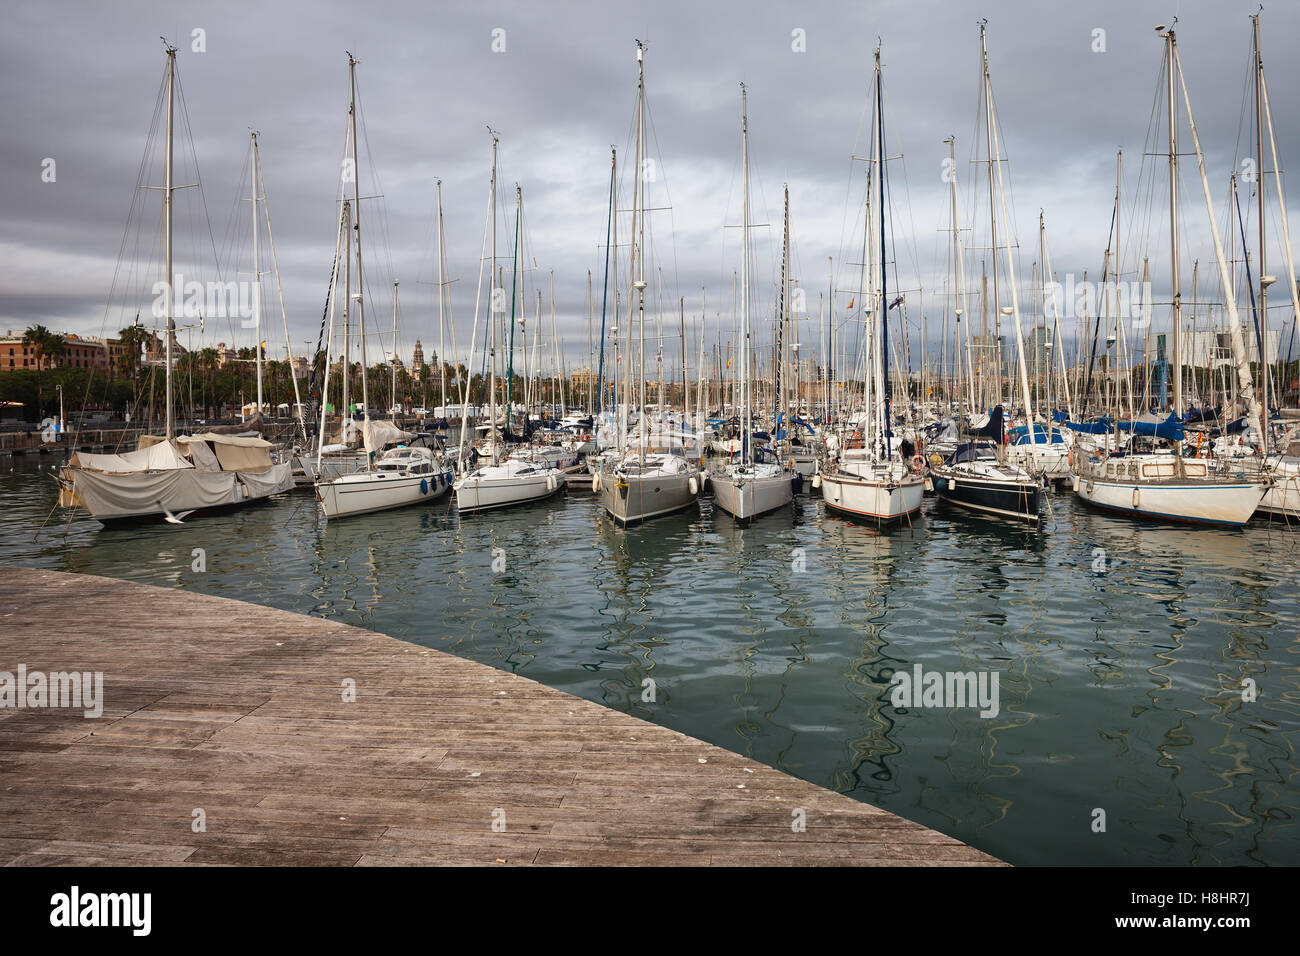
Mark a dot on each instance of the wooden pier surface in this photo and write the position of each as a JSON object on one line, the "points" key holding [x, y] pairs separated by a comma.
{"points": [[237, 711]]}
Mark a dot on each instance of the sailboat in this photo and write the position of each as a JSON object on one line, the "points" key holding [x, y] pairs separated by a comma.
{"points": [[1280, 453], [405, 475], [639, 485], [1150, 477], [873, 481], [503, 484], [748, 487], [169, 475], [976, 476]]}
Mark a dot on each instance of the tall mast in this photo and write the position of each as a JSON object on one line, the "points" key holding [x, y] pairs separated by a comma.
{"points": [[604, 292], [961, 274], [1281, 202], [493, 310], [356, 227], [1173, 227], [591, 353], [686, 394], [1240, 358], [257, 275], [1263, 264], [1011, 274], [882, 367], [168, 189], [442, 327], [993, 219], [638, 250], [744, 274], [393, 363]]}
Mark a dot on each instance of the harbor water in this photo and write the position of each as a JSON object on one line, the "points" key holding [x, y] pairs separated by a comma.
{"points": [[1147, 676]]}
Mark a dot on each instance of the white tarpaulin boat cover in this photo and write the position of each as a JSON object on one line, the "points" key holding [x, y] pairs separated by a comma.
{"points": [[162, 456], [378, 434], [141, 493], [273, 481], [187, 473]]}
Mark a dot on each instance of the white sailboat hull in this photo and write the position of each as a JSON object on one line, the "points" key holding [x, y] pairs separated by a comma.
{"points": [[1283, 495], [1051, 460], [375, 491], [484, 494], [632, 499], [878, 499], [745, 497], [1199, 502]]}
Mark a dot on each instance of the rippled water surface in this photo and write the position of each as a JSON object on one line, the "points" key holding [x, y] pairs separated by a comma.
{"points": [[1119, 689]]}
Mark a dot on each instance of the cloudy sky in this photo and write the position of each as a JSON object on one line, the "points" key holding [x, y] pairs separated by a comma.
{"points": [[81, 83]]}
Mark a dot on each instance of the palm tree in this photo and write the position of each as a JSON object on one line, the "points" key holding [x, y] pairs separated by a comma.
{"points": [[45, 345], [133, 339]]}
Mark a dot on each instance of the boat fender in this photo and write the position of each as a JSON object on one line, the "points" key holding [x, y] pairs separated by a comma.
{"points": [[952, 484], [595, 481], [694, 485], [817, 481], [1137, 498], [550, 483]]}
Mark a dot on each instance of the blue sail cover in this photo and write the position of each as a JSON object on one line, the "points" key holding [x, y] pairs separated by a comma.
{"points": [[1171, 428], [1099, 427], [1059, 416], [1233, 428], [994, 427], [1020, 436]]}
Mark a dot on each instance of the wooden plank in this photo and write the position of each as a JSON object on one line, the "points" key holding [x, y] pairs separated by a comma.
{"points": [[239, 710]]}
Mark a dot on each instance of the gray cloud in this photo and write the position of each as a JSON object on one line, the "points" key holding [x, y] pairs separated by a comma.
{"points": [[81, 85]]}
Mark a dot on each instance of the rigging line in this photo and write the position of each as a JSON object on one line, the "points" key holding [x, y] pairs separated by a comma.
{"points": [[663, 176]]}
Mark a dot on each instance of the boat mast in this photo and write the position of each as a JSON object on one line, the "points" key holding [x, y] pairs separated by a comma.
{"points": [[356, 227], [1240, 358], [961, 273], [746, 436], [332, 307], [591, 351], [638, 250], [257, 275], [882, 364], [993, 228], [442, 326], [493, 310], [1281, 202], [1011, 266], [1264, 278], [168, 189], [347, 307], [1173, 226], [394, 362]]}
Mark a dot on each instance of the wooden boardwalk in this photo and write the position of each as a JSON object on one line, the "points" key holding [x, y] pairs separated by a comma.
{"points": [[237, 711]]}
